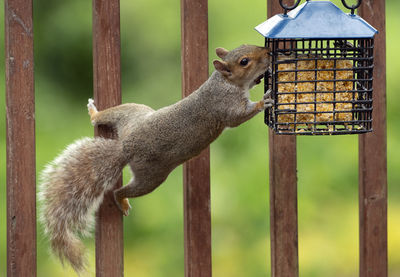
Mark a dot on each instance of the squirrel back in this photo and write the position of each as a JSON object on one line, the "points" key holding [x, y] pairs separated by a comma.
{"points": [[182, 130], [152, 142]]}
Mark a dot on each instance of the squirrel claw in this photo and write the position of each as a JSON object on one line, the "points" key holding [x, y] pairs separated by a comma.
{"points": [[268, 101], [91, 107], [92, 110], [125, 207]]}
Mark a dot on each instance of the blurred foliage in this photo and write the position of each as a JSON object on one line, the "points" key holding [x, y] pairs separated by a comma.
{"points": [[150, 30]]}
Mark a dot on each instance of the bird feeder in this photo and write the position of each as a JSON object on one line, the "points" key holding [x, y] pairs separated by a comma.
{"points": [[321, 70]]}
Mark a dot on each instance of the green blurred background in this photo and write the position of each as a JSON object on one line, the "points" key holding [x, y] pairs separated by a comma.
{"points": [[153, 233]]}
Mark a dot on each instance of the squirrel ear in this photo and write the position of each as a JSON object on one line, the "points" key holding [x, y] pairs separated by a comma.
{"points": [[221, 52], [222, 67]]}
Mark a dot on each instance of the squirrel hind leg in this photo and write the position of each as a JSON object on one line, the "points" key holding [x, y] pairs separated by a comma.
{"points": [[132, 189]]}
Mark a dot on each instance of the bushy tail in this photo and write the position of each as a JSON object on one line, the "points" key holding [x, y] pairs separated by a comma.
{"points": [[71, 190]]}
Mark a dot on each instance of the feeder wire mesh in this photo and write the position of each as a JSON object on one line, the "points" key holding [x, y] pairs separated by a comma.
{"points": [[320, 86]]}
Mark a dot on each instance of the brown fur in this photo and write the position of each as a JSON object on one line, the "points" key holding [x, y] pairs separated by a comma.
{"points": [[152, 142]]}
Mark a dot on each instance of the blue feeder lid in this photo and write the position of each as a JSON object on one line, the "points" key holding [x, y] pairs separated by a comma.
{"points": [[316, 19]]}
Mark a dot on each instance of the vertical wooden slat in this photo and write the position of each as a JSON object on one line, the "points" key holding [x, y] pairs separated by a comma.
{"points": [[283, 205], [373, 159], [107, 93], [197, 217], [21, 186], [283, 195]]}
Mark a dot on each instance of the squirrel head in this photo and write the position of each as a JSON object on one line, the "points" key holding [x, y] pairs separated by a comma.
{"points": [[244, 66]]}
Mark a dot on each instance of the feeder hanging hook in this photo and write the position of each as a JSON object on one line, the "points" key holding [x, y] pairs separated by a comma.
{"points": [[353, 7], [289, 8]]}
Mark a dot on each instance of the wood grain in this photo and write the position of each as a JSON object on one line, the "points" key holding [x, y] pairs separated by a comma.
{"points": [[197, 217], [107, 93], [373, 159], [283, 194], [20, 114], [283, 205]]}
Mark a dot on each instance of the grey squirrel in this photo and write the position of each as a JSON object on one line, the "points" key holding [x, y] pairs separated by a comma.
{"points": [[152, 142]]}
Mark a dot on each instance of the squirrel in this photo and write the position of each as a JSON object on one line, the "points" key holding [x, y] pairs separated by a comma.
{"points": [[152, 142]]}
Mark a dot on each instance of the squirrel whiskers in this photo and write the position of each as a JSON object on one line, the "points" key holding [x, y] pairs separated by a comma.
{"points": [[153, 143]]}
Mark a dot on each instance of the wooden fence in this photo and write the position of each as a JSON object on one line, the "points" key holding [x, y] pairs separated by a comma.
{"points": [[21, 183]]}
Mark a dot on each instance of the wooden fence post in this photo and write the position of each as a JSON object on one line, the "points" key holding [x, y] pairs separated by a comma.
{"points": [[373, 159], [283, 195], [107, 93], [197, 217], [21, 171]]}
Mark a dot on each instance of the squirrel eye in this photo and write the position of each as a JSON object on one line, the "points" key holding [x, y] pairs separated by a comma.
{"points": [[244, 61]]}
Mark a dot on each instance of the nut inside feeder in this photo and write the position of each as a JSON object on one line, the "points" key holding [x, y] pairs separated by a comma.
{"points": [[321, 70]]}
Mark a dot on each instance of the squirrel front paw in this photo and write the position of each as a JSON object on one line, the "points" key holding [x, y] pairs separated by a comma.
{"points": [[91, 109], [268, 101]]}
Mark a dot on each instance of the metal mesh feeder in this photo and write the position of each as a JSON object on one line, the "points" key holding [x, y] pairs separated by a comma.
{"points": [[321, 70]]}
